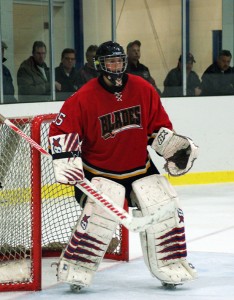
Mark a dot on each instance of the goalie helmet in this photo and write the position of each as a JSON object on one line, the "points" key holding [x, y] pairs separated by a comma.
{"points": [[111, 61]]}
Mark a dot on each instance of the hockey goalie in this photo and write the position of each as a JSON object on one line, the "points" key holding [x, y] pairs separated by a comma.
{"points": [[101, 133]]}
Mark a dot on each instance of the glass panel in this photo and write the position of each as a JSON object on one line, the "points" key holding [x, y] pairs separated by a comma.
{"points": [[211, 30], [31, 65], [30, 70], [97, 22], [63, 42], [157, 25], [23, 32], [8, 67], [97, 29], [204, 17]]}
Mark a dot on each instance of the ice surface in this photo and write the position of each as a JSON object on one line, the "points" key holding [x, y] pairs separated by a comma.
{"points": [[209, 223]]}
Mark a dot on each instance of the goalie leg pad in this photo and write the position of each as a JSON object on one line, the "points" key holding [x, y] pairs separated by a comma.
{"points": [[163, 244], [90, 238]]}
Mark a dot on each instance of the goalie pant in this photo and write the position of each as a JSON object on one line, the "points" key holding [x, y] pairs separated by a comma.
{"points": [[90, 238], [163, 244]]}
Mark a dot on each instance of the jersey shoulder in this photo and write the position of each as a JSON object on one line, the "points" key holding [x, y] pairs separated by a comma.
{"points": [[85, 91]]}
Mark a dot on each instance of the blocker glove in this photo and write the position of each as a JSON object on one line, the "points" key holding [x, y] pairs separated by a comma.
{"points": [[67, 163]]}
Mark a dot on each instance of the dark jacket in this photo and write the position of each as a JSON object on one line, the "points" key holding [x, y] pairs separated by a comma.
{"points": [[8, 88], [142, 71], [32, 86], [86, 73], [216, 82], [173, 84], [69, 84]]}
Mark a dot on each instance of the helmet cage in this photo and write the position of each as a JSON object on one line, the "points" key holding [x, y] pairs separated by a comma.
{"points": [[117, 72]]}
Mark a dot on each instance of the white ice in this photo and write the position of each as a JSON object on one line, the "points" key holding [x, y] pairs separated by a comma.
{"points": [[209, 223]]}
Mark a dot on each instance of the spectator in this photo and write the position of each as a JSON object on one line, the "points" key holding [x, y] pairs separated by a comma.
{"points": [[134, 65], [218, 78], [173, 84], [33, 76], [88, 71], [8, 88], [66, 75]]}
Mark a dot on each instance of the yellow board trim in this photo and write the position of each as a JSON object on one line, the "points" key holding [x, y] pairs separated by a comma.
{"points": [[57, 190], [202, 178], [23, 195]]}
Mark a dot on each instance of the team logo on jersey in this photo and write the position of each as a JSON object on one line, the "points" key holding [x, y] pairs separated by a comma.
{"points": [[57, 148], [120, 120], [84, 222], [180, 215], [161, 137]]}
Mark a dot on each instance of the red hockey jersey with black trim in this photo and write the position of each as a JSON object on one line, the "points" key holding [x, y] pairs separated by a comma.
{"points": [[114, 129]]}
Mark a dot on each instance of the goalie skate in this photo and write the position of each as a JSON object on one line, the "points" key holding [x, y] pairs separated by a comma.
{"points": [[71, 273], [169, 286], [76, 288]]}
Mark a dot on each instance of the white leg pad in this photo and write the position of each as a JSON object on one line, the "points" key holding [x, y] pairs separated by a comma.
{"points": [[163, 244], [90, 238]]}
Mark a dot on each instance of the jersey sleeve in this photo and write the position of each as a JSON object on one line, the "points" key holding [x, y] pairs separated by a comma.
{"points": [[158, 116], [69, 119]]}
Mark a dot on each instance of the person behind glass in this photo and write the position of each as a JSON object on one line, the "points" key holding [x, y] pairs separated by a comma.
{"points": [[8, 87], [134, 65], [88, 71], [66, 75], [218, 78], [33, 76], [173, 84]]}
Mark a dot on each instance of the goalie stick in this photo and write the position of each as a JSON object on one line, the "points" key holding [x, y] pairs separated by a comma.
{"points": [[135, 224]]}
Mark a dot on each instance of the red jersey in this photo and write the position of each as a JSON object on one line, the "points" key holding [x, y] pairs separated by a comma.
{"points": [[114, 128]]}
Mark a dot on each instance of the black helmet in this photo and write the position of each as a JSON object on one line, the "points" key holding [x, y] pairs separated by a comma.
{"points": [[108, 50]]}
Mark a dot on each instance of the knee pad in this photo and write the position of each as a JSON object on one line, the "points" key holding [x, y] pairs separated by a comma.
{"points": [[90, 237], [163, 244]]}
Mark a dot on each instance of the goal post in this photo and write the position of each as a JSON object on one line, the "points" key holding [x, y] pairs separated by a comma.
{"points": [[37, 214]]}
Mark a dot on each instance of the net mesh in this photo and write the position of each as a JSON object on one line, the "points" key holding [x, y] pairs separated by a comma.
{"points": [[19, 213]]}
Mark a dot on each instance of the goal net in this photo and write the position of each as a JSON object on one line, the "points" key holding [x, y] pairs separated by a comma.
{"points": [[37, 214]]}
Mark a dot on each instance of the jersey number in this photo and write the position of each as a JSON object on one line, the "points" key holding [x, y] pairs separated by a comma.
{"points": [[59, 119]]}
